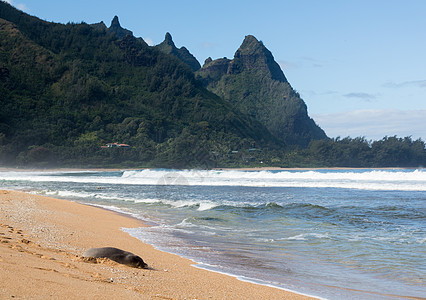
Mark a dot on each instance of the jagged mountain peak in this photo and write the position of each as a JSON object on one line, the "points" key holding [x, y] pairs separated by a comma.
{"points": [[168, 39], [252, 54], [115, 22], [207, 61], [252, 46], [169, 47], [250, 43], [117, 29]]}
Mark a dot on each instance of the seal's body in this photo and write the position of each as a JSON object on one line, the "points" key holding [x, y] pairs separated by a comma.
{"points": [[117, 255]]}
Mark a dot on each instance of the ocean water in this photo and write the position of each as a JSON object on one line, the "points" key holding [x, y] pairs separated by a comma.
{"points": [[335, 234]]}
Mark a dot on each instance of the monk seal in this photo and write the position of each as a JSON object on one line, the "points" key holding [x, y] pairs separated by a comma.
{"points": [[117, 255]]}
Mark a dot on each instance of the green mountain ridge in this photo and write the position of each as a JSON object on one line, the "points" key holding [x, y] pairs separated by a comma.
{"points": [[256, 85]]}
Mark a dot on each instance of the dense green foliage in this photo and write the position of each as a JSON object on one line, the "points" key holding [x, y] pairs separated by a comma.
{"points": [[347, 152], [358, 152], [68, 89]]}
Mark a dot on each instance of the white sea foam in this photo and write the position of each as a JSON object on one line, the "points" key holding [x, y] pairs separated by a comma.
{"points": [[404, 180], [86, 195], [148, 200], [206, 205], [307, 236], [202, 205]]}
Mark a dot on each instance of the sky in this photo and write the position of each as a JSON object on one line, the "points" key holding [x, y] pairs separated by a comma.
{"points": [[360, 66]]}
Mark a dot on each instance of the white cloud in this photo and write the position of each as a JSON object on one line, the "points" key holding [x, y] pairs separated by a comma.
{"points": [[20, 6], [285, 65], [302, 62], [149, 41], [208, 45], [413, 83], [363, 96], [374, 124]]}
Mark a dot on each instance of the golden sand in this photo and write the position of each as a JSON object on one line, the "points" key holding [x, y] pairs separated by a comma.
{"points": [[42, 239]]}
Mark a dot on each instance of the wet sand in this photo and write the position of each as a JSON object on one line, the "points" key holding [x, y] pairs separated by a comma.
{"points": [[42, 240]]}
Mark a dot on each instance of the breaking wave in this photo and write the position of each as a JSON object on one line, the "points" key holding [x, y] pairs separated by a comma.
{"points": [[402, 180]]}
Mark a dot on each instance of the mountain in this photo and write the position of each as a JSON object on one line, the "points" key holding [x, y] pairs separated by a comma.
{"points": [[168, 47], [66, 90], [117, 29], [114, 28], [256, 85]]}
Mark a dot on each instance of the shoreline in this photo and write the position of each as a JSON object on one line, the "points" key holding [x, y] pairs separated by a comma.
{"points": [[42, 239]]}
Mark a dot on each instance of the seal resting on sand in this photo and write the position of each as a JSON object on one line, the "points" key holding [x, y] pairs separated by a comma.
{"points": [[117, 255]]}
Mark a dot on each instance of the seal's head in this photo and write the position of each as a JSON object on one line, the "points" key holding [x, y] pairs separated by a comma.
{"points": [[137, 262]]}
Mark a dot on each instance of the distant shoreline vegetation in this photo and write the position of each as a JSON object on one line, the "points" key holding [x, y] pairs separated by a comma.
{"points": [[347, 152]]}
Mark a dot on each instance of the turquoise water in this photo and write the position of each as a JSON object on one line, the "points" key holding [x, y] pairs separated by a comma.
{"points": [[353, 234]]}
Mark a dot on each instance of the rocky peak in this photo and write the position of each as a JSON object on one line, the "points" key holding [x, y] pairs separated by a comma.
{"points": [[249, 46], [207, 61], [115, 22], [168, 47], [213, 70], [169, 40], [117, 29], [252, 54]]}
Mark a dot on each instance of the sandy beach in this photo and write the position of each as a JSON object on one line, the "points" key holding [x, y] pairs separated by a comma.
{"points": [[42, 240]]}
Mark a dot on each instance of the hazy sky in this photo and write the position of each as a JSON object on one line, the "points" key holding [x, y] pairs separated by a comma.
{"points": [[360, 66]]}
